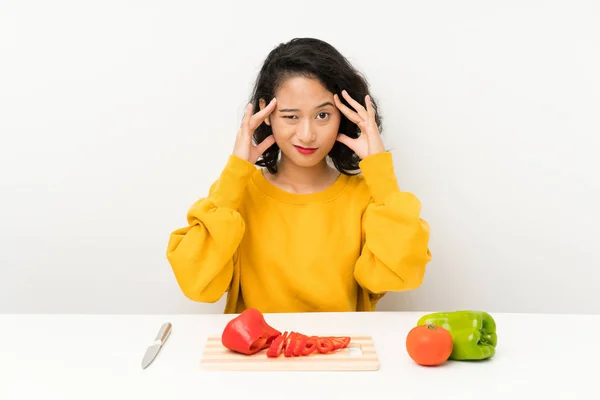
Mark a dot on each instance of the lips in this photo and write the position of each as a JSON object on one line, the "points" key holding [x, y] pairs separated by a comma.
{"points": [[305, 150]]}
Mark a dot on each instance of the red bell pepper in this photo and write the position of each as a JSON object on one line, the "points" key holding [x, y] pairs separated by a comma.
{"points": [[324, 345], [310, 346], [277, 345], [301, 344], [339, 342], [248, 333], [290, 344]]}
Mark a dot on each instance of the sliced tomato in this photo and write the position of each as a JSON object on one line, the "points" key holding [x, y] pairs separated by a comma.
{"points": [[277, 344]]}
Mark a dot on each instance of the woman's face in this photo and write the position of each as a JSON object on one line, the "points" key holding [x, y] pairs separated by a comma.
{"points": [[305, 122]]}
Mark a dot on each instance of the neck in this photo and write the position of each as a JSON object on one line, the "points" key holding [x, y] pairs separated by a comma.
{"points": [[297, 179]]}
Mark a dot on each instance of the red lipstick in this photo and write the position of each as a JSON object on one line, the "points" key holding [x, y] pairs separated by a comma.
{"points": [[305, 150]]}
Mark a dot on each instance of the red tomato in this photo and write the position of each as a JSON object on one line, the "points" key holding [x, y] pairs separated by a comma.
{"points": [[429, 345]]}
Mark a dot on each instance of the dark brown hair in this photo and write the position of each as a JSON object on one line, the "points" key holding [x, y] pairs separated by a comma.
{"points": [[311, 58]]}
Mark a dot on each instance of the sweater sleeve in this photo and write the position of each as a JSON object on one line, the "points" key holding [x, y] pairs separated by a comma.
{"points": [[202, 253], [395, 239]]}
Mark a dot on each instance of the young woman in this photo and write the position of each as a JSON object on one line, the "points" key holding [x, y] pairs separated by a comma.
{"points": [[307, 214]]}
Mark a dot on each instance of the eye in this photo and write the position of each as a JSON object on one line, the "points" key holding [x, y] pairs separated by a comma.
{"points": [[324, 114], [289, 116]]}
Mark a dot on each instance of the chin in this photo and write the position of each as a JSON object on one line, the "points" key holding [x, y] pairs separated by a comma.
{"points": [[305, 160]]}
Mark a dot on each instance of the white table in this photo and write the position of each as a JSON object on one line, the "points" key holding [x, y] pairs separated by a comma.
{"points": [[99, 356]]}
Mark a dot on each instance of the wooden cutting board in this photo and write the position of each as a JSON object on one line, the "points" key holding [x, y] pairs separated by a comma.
{"points": [[360, 355]]}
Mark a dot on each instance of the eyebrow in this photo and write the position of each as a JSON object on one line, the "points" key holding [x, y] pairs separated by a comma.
{"points": [[327, 103]]}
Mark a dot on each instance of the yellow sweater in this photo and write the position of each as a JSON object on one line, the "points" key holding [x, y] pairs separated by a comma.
{"points": [[339, 249]]}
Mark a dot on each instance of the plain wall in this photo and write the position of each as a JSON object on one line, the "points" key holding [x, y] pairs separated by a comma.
{"points": [[116, 116]]}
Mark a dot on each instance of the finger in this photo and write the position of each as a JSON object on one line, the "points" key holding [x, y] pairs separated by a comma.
{"points": [[348, 141], [371, 125], [246, 119], [357, 106], [260, 116], [352, 115], [265, 144], [370, 109]]}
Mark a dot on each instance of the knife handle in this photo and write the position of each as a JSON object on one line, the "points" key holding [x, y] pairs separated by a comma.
{"points": [[164, 331]]}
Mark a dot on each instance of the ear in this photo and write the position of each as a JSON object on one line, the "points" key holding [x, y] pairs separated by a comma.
{"points": [[262, 104]]}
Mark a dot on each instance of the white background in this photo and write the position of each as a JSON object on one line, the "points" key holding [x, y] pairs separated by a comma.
{"points": [[116, 116]]}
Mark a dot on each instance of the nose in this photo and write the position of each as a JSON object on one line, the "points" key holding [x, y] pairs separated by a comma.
{"points": [[305, 133]]}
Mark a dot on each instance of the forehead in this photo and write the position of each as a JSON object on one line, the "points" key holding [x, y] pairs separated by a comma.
{"points": [[302, 93]]}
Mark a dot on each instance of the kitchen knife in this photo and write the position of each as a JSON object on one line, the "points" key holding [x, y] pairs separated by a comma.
{"points": [[159, 341]]}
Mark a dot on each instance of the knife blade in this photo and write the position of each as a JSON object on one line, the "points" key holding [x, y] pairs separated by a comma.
{"points": [[159, 341]]}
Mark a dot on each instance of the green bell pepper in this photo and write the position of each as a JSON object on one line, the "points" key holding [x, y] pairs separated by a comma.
{"points": [[473, 333]]}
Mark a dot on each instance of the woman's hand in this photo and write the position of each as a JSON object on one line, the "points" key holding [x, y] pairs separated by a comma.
{"points": [[369, 142], [243, 147]]}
